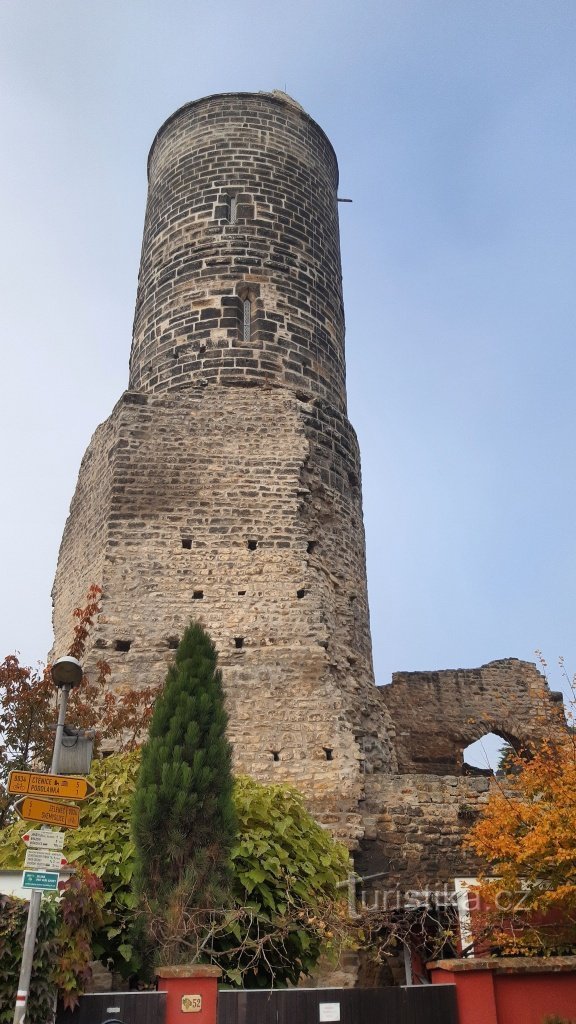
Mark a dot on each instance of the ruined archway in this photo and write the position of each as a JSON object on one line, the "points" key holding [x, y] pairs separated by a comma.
{"points": [[437, 715], [483, 754]]}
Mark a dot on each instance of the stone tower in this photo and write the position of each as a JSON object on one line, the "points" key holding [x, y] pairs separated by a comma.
{"points": [[225, 486]]}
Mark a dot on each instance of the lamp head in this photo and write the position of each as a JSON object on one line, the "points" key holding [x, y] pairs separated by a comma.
{"points": [[66, 672]]}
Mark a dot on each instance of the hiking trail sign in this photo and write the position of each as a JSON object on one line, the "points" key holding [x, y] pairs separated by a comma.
{"points": [[48, 812], [59, 787], [44, 839], [47, 880], [47, 860]]}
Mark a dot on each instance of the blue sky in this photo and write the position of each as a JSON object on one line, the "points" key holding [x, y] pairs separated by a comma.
{"points": [[454, 122]]}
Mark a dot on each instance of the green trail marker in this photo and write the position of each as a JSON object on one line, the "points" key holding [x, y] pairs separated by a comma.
{"points": [[46, 880]]}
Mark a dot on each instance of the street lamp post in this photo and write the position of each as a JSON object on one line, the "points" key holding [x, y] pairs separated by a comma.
{"points": [[66, 674]]}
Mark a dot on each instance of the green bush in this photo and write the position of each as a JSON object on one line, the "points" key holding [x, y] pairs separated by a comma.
{"points": [[286, 876], [63, 948], [104, 846]]}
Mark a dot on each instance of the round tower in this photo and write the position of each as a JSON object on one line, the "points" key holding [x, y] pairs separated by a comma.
{"points": [[240, 277], [225, 486]]}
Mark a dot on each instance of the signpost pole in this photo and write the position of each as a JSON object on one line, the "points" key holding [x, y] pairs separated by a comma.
{"points": [[36, 894], [65, 693]]}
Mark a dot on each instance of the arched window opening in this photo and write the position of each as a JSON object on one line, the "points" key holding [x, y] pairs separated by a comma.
{"points": [[489, 754]]}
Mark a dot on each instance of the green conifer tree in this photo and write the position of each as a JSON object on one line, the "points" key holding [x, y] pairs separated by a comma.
{"points": [[183, 818]]}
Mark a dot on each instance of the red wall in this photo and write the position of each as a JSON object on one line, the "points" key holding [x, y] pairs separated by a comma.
{"points": [[526, 999], [474, 995], [487, 997]]}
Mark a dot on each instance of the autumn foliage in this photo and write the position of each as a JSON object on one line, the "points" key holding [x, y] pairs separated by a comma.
{"points": [[527, 836], [28, 708]]}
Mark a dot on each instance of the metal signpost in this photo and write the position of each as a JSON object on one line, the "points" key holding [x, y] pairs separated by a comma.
{"points": [[66, 673]]}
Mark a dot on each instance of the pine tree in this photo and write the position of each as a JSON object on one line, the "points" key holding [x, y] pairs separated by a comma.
{"points": [[183, 818]]}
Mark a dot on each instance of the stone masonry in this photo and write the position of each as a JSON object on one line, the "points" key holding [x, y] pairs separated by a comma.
{"points": [[509, 697], [225, 487]]}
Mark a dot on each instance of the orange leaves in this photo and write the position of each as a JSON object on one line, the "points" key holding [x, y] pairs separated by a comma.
{"points": [[27, 711], [527, 836]]}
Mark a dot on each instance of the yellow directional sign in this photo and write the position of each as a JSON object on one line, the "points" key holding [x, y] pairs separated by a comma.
{"points": [[57, 786], [48, 812]]}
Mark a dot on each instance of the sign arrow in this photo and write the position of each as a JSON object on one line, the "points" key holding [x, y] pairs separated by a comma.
{"points": [[48, 812], [65, 787], [44, 839], [48, 860]]}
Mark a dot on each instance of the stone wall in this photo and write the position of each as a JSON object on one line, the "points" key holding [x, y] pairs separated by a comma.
{"points": [[438, 714], [242, 207], [230, 476], [414, 827]]}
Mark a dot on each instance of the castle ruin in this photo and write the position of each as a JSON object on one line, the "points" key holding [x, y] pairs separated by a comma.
{"points": [[225, 487]]}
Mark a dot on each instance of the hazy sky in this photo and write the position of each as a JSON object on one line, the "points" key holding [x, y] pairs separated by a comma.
{"points": [[454, 122]]}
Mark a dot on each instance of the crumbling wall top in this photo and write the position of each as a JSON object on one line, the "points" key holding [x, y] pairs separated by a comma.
{"points": [[438, 714]]}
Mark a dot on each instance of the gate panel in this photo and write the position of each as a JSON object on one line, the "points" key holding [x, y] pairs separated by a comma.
{"points": [[426, 1004], [127, 1007]]}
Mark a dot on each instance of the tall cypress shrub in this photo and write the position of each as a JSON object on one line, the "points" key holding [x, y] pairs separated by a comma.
{"points": [[183, 818]]}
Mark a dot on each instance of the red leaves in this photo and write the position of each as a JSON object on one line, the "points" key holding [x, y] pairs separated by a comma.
{"points": [[28, 707], [121, 718], [85, 619]]}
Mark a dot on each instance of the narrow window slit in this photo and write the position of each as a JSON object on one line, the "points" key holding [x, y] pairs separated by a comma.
{"points": [[123, 645], [329, 753], [239, 642], [275, 755], [246, 320], [252, 545], [232, 209], [198, 595]]}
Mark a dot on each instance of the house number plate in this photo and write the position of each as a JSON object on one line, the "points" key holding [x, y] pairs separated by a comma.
{"points": [[191, 1004]]}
